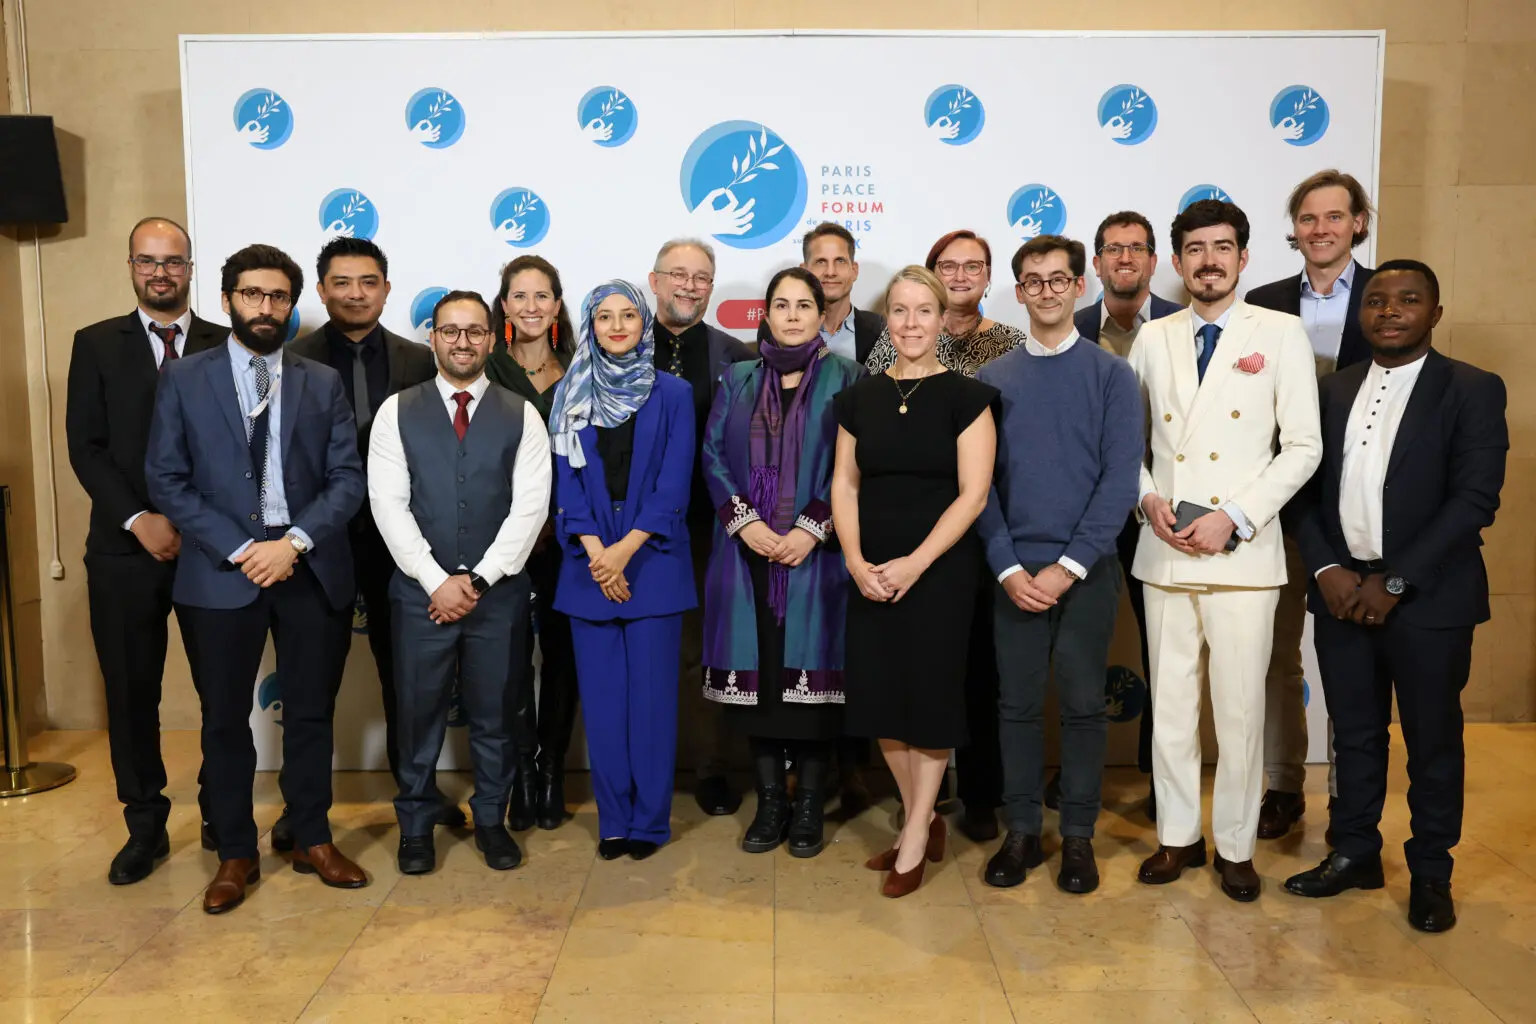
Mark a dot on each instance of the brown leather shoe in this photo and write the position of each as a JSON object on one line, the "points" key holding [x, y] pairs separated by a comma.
{"points": [[898, 884], [1238, 879], [331, 865], [1279, 813], [937, 833], [1169, 862], [227, 890]]}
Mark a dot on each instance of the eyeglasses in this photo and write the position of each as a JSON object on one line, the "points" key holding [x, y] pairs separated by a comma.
{"points": [[254, 297], [681, 278], [145, 266], [1035, 285], [1115, 251], [972, 268], [450, 333]]}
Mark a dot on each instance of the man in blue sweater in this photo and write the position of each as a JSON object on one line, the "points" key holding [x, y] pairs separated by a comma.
{"points": [[1069, 451]]}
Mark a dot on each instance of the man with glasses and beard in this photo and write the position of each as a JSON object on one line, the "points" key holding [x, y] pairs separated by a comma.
{"points": [[131, 549], [253, 455], [459, 510], [683, 279]]}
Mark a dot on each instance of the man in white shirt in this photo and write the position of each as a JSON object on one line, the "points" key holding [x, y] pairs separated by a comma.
{"points": [[459, 483], [1390, 529]]}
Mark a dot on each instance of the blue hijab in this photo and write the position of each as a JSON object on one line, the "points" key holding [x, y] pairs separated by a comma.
{"points": [[600, 389]]}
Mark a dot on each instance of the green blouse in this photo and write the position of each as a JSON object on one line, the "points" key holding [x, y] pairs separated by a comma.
{"points": [[502, 369]]}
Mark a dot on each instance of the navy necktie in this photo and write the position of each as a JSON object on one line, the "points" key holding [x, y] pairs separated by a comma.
{"points": [[1208, 335], [257, 426]]}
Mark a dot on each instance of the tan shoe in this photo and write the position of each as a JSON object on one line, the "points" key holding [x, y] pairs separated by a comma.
{"points": [[227, 891], [333, 866], [1169, 862]]}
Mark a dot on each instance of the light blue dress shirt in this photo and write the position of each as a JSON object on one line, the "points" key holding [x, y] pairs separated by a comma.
{"points": [[274, 505], [1324, 316], [1244, 527], [841, 341]]}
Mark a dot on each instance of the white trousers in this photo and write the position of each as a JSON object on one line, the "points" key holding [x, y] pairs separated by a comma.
{"points": [[1235, 626]]}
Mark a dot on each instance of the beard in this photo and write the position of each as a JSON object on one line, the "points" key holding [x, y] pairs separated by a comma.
{"points": [[1121, 292], [165, 302], [1212, 291], [470, 372], [262, 343], [676, 315]]}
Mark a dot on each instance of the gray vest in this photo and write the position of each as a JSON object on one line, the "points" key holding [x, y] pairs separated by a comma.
{"points": [[461, 491]]}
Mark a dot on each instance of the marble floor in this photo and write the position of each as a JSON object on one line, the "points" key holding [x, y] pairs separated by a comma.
{"points": [[705, 933]]}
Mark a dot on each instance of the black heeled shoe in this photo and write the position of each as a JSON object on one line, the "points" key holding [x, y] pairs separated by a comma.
{"points": [[551, 812], [523, 806]]}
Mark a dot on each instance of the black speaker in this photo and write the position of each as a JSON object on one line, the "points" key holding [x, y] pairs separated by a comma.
{"points": [[31, 186]]}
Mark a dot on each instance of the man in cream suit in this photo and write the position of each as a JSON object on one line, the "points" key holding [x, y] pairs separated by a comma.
{"points": [[1231, 395]]}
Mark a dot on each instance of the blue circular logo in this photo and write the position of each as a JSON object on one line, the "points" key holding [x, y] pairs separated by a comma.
{"points": [[954, 115], [349, 213], [435, 118], [262, 118], [1127, 115], [1306, 693], [1125, 694], [743, 184], [269, 696], [422, 306], [607, 116], [519, 217], [1036, 210], [1299, 115], [1199, 192], [294, 321]]}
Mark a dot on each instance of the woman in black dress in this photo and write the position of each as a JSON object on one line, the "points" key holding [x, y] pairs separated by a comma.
{"points": [[915, 453]]}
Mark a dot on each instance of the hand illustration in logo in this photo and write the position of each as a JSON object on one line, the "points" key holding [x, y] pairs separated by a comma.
{"points": [[421, 308], [347, 213], [510, 231], [1127, 115], [734, 218], [434, 118], [425, 132], [743, 184], [606, 116], [262, 119], [953, 114], [1298, 115], [1117, 128], [519, 217], [944, 129], [596, 130], [1028, 227], [1289, 129], [1036, 210], [254, 132]]}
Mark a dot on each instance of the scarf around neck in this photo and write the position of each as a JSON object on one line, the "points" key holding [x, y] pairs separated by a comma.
{"points": [[600, 389]]}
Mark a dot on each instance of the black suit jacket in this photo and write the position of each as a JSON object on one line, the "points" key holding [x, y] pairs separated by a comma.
{"points": [[1284, 296], [867, 328], [1441, 490], [110, 404], [409, 364]]}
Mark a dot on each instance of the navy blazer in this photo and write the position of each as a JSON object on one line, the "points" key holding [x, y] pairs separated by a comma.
{"points": [[1089, 319], [1284, 296], [660, 574], [199, 474]]}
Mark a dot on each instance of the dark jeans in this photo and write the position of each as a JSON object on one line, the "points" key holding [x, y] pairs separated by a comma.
{"points": [[1073, 637], [979, 764], [1125, 547]]}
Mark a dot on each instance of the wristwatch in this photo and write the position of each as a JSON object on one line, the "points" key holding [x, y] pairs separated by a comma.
{"points": [[298, 544], [478, 582], [1396, 585]]}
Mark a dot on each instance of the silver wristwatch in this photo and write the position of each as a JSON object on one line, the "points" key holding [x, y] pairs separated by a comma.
{"points": [[298, 544]]}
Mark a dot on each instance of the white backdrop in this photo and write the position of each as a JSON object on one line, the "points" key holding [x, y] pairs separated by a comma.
{"points": [[457, 153]]}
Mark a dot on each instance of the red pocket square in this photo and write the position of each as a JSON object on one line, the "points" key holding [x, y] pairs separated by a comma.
{"points": [[1250, 363]]}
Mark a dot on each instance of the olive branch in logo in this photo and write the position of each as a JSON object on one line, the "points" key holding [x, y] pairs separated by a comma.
{"points": [[1217, 194], [528, 203], [1046, 200], [440, 105], [1306, 102], [356, 203], [746, 167], [961, 101], [270, 104], [1135, 101], [615, 101]]}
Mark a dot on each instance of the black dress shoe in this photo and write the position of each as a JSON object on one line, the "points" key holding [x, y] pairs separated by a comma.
{"points": [[612, 849], [418, 855], [523, 808], [1053, 791], [282, 833], [639, 849], [1279, 813], [1430, 907], [500, 849], [452, 816], [979, 825], [1011, 863], [1079, 871], [1336, 874], [210, 838], [716, 797], [136, 859]]}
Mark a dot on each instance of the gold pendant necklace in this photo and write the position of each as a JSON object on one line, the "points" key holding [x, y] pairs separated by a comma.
{"points": [[906, 394]]}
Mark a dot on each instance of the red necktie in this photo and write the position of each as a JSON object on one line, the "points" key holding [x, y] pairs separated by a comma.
{"points": [[461, 418], [167, 336]]}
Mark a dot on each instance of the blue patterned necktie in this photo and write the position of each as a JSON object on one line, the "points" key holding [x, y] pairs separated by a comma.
{"points": [[1208, 336]]}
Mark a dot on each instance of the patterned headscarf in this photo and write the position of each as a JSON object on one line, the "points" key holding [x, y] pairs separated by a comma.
{"points": [[600, 389]]}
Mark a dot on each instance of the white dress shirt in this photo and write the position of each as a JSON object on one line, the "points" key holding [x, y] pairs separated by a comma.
{"points": [[1368, 435], [389, 493], [274, 496], [1324, 315], [157, 349]]}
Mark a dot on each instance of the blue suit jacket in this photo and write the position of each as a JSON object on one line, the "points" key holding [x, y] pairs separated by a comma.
{"points": [[199, 475], [1089, 319], [661, 472]]}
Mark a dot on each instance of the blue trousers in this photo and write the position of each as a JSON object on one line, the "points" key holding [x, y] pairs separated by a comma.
{"points": [[627, 673]]}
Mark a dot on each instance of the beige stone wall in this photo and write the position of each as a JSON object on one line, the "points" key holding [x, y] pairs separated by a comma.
{"points": [[1458, 189]]}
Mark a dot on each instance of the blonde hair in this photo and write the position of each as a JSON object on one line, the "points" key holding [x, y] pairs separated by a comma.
{"points": [[919, 274]]}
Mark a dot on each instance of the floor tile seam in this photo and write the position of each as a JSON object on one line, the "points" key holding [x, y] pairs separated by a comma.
{"points": [[565, 934], [981, 925], [344, 954], [149, 937]]}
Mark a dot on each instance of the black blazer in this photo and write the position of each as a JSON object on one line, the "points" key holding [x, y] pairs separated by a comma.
{"points": [[409, 364], [1284, 296], [867, 328], [110, 404], [1441, 490]]}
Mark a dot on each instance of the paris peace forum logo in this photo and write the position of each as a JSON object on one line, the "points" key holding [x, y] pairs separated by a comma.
{"points": [[435, 118], [1125, 694], [1199, 192], [348, 213], [743, 184], [954, 115], [607, 117], [269, 697], [1298, 115], [1036, 209], [422, 305], [519, 217], [1127, 115], [263, 119]]}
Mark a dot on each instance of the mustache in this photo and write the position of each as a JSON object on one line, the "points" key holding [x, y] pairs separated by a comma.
{"points": [[1211, 269]]}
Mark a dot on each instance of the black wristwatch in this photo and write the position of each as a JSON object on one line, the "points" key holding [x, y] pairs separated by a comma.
{"points": [[478, 582], [1396, 585]]}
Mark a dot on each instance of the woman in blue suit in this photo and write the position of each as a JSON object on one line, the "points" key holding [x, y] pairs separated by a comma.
{"points": [[623, 441]]}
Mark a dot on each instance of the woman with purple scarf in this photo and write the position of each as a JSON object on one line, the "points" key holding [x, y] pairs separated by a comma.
{"points": [[776, 590]]}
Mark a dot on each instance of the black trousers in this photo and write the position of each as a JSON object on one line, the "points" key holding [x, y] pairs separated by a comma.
{"points": [[375, 567], [979, 764], [1125, 547], [1428, 668], [545, 728], [129, 597], [311, 641]]}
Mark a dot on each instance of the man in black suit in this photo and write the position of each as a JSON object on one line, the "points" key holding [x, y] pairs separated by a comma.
{"points": [[1330, 215], [131, 549], [352, 279], [830, 252], [1390, 530]]}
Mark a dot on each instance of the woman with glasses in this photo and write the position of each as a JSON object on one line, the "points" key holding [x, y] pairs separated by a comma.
{"points": [[768, 448], [623, 440], [532, 347], [915, 451]]}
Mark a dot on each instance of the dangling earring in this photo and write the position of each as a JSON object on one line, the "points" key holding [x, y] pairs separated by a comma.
{"points": [[507, 331], [554, 334]]}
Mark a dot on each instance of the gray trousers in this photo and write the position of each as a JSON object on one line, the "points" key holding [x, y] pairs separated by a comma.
{"points": [[1073, 637], [480, 650]]}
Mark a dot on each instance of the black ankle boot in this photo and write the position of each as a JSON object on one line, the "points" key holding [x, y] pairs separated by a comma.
{"points": [[551, 810], [770, 825], [525, 794], [805, 826]]}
